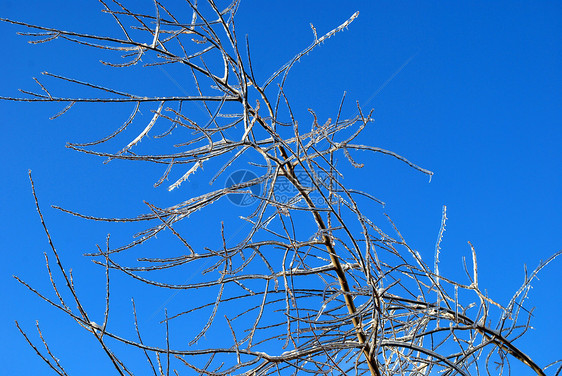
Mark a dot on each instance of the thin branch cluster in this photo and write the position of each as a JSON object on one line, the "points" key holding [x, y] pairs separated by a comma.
{"points": [[338, 296]]}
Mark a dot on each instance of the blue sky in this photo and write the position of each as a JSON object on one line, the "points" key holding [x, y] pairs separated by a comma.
{"points": [[469, 91]]}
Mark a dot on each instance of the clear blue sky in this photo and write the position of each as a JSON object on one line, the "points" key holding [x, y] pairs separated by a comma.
{"points": [[471, 92]]}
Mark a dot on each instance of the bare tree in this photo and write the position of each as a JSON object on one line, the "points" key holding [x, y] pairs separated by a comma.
{"points": [[344, 298]]}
